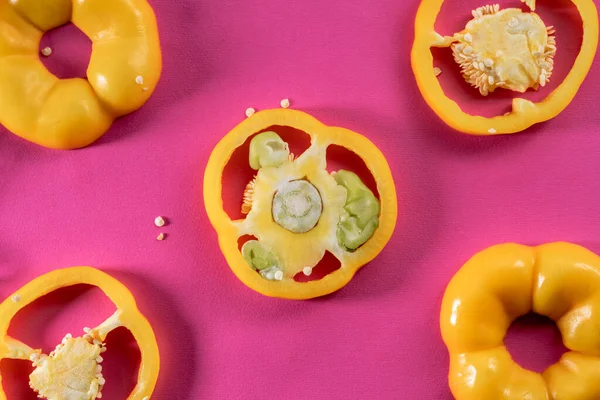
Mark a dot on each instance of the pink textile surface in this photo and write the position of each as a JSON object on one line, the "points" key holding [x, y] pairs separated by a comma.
{"points": [[347, 63]]}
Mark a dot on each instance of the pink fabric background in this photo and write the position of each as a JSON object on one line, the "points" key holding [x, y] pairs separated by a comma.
{"points": [[347, 63]]}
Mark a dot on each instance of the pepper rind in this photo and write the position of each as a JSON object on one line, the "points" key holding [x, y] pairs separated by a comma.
{"points": [[524, 113], [326, 135], [130, 317]]}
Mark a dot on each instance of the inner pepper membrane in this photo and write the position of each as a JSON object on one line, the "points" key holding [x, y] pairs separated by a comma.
{"points": [[297, 210]]}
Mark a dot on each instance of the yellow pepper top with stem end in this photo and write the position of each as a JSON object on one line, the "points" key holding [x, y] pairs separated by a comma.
{"points": [[124, 68], [524, 112], [310, 164], [127, 315], [557, 280]]}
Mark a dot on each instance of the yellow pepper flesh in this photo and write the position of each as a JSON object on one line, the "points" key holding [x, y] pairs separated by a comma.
{"points": [[128, 316], [557, 280], [524, 112], [73, 113], [321, 137]]}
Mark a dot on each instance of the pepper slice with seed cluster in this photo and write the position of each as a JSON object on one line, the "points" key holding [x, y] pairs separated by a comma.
{"points": [[508, 49], [296, 210], [73, 369]]}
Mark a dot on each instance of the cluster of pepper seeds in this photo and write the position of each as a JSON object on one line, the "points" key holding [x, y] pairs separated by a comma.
{"points": [[477, 54], [73, 366], [248, 195], [91, 338]]}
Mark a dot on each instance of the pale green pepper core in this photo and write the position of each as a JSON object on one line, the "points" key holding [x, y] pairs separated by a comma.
{"points": [[267, 149], [297, 206], [258, 256], [361, 218]]}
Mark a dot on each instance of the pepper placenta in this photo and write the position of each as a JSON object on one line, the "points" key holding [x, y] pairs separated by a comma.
{"points": [[557, 280], [296, 210], [73, 369], [517, 67], [124, 68]]}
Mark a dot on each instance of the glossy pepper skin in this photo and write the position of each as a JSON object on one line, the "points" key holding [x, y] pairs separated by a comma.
{"points": [[73, 113], [524, 112], [321, 137], [557, 280], [128, 316]]}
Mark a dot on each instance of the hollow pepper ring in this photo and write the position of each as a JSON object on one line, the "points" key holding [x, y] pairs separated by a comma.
{"points": [[299, 245], [127, 315], [124, 69], [557, 280], [524, 113]]}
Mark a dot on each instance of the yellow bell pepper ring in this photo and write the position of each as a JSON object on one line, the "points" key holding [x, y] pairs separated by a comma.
{"points": [[521, 59], [296, 210], [557, 280], [124, 69], [73, 369]]}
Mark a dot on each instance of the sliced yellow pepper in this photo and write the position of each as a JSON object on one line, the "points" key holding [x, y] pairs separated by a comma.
{"points": [[557, 280], [124, 69], [73, 369], [516, 77], [297, 210]]}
